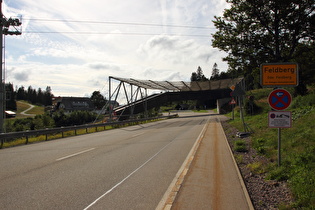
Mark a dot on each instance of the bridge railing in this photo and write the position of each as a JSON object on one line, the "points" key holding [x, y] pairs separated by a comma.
{"points": [[8, 137]]}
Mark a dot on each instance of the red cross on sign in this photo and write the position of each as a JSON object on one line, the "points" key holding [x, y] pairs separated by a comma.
{"points": [[279, 99]]}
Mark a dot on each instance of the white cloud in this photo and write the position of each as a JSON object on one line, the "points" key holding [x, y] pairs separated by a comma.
{"points": [[106, 38]]}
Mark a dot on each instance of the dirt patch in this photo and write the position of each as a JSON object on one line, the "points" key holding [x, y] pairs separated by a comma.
{"points": [[265, 194]]}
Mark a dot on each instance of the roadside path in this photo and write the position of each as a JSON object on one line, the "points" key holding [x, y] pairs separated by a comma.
{"points": [[26, 110], [213, 180]]}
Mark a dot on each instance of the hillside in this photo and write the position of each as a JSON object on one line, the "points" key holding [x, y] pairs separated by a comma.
{"points": [[297, 148], [24, 111]]}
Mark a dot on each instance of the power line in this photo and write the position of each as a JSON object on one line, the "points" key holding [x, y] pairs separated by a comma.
{"points": [[108, 33], [119, 23]]}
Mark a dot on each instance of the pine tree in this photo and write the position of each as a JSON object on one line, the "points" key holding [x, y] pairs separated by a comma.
{"points": [[215, 72]]}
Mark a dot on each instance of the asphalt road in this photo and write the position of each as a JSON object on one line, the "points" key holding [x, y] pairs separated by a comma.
{"points": [[128, 168]]}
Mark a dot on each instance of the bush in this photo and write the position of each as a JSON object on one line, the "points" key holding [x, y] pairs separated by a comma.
{"points": [[260, 146], [256, 167], [260, 93], [304, 101], [279, 174], [74, 118], [240, 146], [251, 107], [46, 121]]}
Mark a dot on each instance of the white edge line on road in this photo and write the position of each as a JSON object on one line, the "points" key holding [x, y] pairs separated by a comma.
{"points": [[139, 134], [78, 153], [171, 193], [122, 181]]}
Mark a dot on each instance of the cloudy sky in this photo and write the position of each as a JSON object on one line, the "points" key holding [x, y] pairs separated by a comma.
{"points": [[73, 46]]}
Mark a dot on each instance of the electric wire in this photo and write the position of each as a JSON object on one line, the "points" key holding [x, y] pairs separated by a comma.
{"points": [[116, 23], [110, 33], [119, 23]]}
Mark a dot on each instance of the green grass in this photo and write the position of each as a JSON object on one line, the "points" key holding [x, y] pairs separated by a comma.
{"points": [[201, 111], [240, 146], [23, 105], [297, 146], [34, 139], [256, 167]]}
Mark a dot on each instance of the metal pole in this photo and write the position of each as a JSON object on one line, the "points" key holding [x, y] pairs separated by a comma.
{"points": [[279, 146], [146, 103], [110, 98], [233, 106], [1, 85], [131, 91], [242, 112]]}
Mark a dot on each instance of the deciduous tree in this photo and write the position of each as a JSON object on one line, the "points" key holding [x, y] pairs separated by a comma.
{"points": [[259, 31]]}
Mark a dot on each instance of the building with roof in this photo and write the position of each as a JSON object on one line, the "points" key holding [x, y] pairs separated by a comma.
{"points": [[71, 104]]}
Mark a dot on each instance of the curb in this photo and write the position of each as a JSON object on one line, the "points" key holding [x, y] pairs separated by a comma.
{"points": [[246, 194], [173, 189]]}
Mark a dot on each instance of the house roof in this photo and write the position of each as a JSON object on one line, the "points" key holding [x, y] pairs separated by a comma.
{"points": [[75, 103]]}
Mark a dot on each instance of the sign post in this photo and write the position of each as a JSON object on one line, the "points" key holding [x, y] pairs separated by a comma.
{"points": [[279, 75], [279, 99], [232, 103]]}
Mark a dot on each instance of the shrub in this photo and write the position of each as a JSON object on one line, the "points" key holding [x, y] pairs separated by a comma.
{"points": [[251, 107], [279, 174], [240, 146], [74, 118], [256, 167], [304, 101]]}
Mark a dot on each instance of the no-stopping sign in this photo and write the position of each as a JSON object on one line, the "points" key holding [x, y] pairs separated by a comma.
{"points": [[279, 99]]}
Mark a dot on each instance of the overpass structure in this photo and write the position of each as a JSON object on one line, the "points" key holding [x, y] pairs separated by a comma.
{"points": [[138, 101]]}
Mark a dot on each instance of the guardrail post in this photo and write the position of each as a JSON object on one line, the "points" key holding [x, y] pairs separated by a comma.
{"points": [[26, 142], [62, 134], [86, 130], [1, 144], [75, 130], [46, 135]]}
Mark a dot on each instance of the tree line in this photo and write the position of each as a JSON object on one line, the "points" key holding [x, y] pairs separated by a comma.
{"points": [[215, 75], [50, 120], [31, 95]]}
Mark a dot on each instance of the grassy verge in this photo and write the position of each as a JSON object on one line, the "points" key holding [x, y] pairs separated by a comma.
{"points": [[297, 147], [34, 139]]}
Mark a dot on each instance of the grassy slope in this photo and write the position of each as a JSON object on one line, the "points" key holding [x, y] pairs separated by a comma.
{"points": [[23, 105], [298, 146]]}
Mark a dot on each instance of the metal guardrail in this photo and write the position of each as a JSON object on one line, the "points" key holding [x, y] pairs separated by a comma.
{"points": [[48, 131]]}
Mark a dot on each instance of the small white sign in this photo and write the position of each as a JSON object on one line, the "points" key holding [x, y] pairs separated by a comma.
{"points": [[279, 119]]}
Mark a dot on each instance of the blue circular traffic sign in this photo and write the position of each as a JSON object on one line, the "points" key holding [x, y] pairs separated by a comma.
{"points": [[279, 99]]}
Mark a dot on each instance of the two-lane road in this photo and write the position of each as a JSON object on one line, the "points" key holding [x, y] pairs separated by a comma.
{"points": [[128, 168]]}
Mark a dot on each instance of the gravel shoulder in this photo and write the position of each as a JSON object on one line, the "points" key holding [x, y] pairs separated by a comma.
{"points": [[265, 194]]}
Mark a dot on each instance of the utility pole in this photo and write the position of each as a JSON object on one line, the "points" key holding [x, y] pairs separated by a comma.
{"points": [[5, 29]]}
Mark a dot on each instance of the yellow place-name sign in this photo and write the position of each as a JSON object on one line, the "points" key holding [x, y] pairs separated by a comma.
{"points": [[279, 74]]}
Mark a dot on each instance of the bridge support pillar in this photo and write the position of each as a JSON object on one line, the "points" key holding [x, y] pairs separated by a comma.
{"points": [[223, 105]]}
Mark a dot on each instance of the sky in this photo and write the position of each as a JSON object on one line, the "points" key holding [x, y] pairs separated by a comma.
{"points": [[73, 46]]}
